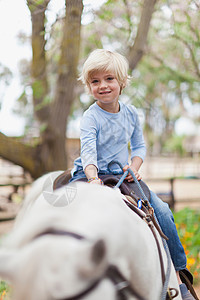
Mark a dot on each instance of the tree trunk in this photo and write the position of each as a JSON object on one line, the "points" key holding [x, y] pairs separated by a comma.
{"points": [[54, 137], [50, 153]]}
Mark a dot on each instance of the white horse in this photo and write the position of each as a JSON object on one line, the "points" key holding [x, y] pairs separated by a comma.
{"points": [[90, 249]]}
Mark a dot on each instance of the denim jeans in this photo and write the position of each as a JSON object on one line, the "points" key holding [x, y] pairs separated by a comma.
{"points": [[77, 175], [80, 174], [166, 221]]}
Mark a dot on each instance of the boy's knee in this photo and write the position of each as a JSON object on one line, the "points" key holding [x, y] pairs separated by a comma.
{"points": [[160, 207]]}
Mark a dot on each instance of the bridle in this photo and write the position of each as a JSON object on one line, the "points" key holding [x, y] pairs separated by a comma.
{"points": [[122, 285]]}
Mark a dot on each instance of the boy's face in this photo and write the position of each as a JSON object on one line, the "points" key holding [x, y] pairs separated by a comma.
{"points": [[104, 87]]}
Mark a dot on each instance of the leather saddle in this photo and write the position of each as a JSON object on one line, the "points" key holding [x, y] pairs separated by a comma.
{"points": [[109, 180]]}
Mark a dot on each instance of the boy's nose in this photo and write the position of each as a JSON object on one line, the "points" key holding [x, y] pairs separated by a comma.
{"points": [[103, 84]]}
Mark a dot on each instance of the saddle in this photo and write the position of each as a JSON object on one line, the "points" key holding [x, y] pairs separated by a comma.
{"points": [[109, 180], [62, 179]]}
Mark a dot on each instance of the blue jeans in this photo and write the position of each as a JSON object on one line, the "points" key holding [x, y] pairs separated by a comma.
{"points": [[80, 174], [77, 175], [166, 221]]}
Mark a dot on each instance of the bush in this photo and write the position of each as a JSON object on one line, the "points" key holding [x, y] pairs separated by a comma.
{"points": [[187, 222], [4, 290]]}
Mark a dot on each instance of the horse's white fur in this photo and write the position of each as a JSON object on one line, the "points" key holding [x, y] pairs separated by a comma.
{"points": [[34, 193], [60, 266]]}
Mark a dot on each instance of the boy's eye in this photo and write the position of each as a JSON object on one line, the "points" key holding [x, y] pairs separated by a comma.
{"points": [[110, 78], [94, 81]]}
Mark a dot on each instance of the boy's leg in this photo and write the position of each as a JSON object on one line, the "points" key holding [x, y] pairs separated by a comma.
{"points": [[166, 221], [78, 175]]}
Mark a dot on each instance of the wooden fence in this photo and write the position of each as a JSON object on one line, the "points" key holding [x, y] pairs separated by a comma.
{"points": [[177, 192]]}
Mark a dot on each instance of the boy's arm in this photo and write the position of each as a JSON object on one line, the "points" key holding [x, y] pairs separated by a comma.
{"points": [[138, 149], [91, 173], [136, 163]]}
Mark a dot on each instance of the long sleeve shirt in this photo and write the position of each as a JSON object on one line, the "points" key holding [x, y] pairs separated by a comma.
{"points": [[105, 137]]}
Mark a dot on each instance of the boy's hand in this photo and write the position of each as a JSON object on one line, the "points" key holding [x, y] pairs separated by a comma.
{"points": [[129, 177], [97, 181]]}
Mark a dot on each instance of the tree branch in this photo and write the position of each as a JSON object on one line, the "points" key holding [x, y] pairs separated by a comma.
{"points": [[194, 30], [130, 24], [195, 63], [137, 50], [14, 150], [183, 77], [39, 84]]}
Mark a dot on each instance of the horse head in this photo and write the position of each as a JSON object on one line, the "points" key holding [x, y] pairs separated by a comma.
{"points": [[56, 267]]}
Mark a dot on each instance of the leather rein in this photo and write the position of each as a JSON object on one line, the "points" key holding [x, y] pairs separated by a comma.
{"points": [[121, 284]]}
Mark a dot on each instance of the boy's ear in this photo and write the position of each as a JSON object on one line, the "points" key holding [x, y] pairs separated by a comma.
{"points": [[121, 88]]}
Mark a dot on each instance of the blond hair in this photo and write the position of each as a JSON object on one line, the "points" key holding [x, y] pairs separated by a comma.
{"points": [[105, 60]]}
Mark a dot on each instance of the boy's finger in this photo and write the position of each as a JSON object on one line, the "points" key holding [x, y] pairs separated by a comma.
{"points": [[131, 180]]}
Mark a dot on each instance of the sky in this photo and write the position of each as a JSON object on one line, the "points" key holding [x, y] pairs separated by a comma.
{"points": [[15, 18]]}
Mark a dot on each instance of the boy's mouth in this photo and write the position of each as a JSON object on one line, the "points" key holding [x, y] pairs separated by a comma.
{"points": [[104, 92]]}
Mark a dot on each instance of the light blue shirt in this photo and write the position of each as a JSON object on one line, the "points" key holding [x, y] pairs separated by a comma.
{"points": [[105, 137]]}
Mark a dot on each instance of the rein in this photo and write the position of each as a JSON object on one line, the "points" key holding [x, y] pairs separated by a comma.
{"points": [[151, 220], [121, 284]]}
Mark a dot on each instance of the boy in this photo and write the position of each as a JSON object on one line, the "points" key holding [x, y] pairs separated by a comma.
{"points": [[106, 129]]}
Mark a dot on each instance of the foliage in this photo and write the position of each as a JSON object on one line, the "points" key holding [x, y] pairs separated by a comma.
{"points": [[165, 84], [175, 145], [187, 222], [4, 290], [5, 79]]}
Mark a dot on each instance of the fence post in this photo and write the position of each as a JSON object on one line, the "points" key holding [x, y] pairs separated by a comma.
{"points": [[172, 192]]}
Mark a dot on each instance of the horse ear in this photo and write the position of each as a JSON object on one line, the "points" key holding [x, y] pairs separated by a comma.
{"points": [[98, 251], [8, 264], [95, 259]]}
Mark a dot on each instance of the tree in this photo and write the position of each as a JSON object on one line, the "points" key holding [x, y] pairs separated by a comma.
{"points": [[171, 71], [48, 152], [166, 80]]}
